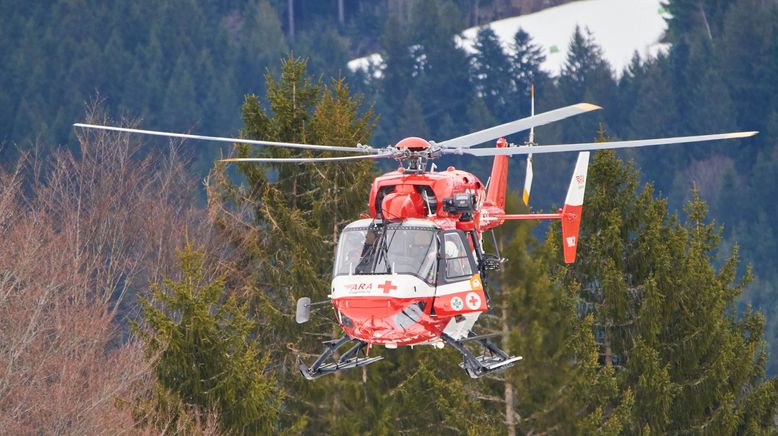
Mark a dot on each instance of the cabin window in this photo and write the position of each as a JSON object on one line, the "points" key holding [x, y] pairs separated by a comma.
{"points": [[388, 249]]}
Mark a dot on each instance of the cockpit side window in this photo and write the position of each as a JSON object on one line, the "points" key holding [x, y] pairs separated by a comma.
{"points": [[458, 261]]}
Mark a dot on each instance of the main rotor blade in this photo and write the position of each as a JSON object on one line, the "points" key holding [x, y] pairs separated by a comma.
{"points": [[506, 129], [301, 159], [230, 140], [596, 145]]}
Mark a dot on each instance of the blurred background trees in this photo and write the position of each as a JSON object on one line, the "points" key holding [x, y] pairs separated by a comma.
{"points": [[615, 343]]}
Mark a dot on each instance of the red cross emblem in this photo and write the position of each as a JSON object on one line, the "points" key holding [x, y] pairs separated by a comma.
{"points": [[387, 287], [473, 301]]}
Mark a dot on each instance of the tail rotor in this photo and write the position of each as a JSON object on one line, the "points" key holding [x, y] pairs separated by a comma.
{"points": [[530, 143]]}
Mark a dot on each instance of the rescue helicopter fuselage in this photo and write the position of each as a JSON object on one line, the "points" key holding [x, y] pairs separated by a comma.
{"points": [[410, 271]]}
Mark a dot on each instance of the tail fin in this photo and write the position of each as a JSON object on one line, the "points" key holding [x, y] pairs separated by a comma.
{"points": [[498, 182], [571, 213]]}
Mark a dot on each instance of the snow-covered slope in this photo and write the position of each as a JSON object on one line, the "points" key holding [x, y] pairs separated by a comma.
{"points": [[620, 27]]}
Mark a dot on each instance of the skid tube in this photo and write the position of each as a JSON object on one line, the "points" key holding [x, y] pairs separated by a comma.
{"points": [[349, 359], [478, 366]]}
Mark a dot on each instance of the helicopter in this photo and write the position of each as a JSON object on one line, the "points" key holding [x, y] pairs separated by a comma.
{"points": [[413, 271]]}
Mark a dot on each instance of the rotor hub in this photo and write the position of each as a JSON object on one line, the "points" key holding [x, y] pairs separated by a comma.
{"points": [[413, 143]]}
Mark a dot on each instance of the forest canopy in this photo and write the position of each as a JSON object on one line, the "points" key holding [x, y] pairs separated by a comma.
{"points": [[667, 323]]}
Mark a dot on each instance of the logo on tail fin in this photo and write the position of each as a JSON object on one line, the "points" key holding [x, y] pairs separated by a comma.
{"points": [[570, 241]]}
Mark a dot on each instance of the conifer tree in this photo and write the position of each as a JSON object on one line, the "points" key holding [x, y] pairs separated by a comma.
{"points": [[206, 356], [480, 116], [430, 399], [663, 316], [491, 72], [750, 30], [525, 61], [284, 220], [442, 82], [690, 18], [399, 69], [559, 385], [261, 28], [586, 76], [411, 121], [584, 62], [656, 113], [629, 86]]}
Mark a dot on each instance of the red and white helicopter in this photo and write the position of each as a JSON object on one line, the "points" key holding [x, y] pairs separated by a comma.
{"points": [[414, 272]]}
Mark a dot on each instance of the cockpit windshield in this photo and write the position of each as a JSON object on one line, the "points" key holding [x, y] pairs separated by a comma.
{"points": [[388, 249]]}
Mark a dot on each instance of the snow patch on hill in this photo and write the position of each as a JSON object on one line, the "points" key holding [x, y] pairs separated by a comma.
{"points": [[620, 27]]}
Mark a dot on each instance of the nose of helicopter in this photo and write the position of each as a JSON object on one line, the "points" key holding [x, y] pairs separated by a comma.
{"points": [[386, 309]]}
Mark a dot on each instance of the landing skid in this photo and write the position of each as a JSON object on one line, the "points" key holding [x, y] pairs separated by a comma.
{"points": [[478, 366], [348, 360]]}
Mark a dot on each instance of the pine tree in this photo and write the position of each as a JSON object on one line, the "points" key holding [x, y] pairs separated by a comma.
{"points": [[584, 61], [750, 30], [331, 49], [180, 93], [586, 76], [687, 16], [656, 114], [491, 72], [629, 85], [692, 18], [400, 65], [559, 386], [663, 315], [479, 115], [442, 83], [431, 400], [261, 28], [284, 220], [411, 121], [525, 61], [206, 355]]}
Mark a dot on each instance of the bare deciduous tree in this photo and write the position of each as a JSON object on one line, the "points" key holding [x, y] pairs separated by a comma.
{"points": [[78, 239]]}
